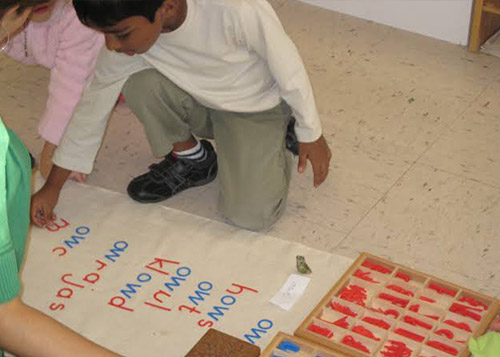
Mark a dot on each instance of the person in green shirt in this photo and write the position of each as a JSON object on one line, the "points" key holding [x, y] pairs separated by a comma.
{"points": [[487, 345], [24, 331]]}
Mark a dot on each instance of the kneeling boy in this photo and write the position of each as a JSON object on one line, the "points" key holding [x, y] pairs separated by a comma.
{"points": [[222, 69]]}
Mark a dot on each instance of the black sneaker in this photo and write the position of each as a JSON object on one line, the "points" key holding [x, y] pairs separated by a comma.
{"points": [[291, 141], [172, 176]]}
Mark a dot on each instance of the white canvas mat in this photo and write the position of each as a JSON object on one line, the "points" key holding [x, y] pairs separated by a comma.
{"points": [[235, 272]]}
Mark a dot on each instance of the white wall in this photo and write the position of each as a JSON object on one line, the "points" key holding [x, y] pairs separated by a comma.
{"points": [[443, 19]]}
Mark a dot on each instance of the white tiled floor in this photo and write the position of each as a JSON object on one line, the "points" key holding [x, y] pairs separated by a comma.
{"points": [[413, 124]]}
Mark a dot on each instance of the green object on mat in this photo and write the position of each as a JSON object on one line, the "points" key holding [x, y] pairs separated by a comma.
{"points": [[487, 345], [302, 266]]}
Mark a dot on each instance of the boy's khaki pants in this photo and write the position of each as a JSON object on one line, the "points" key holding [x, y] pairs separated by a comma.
{"points": [[254, 166]]}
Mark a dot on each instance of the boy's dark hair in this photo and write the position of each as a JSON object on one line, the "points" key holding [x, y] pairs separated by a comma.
{"points": [[106, 13], [6, 5]]}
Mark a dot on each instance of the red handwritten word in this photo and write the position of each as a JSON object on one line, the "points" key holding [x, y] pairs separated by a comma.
{"points": [[90, 278], [79, 235], [55, 227], [158, 265], [396, 349], [348, 340], [323, 331]]}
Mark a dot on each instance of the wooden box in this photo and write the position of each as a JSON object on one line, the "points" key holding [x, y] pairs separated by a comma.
{"points": [[218, 344], [380, 306], [295, 346]]}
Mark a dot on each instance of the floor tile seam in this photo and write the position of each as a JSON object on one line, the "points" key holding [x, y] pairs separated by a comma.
{"points": [[495, 78], [403, 161], [384, 194], [460, 115], [349, 67], [385, 37], [446, 131], [458, 175], [488, 85], [360, 58], [412, 165], [448, 127]]}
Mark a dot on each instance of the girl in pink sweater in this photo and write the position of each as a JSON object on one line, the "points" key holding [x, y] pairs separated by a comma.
{"points": [[55, 38]]}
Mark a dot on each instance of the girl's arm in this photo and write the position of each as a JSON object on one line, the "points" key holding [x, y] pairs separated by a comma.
{"points": [[25, 331], [75, 59], [9, 279]]}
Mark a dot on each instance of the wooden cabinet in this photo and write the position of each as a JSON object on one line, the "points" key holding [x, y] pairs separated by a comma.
{"points": [[485, 22]]}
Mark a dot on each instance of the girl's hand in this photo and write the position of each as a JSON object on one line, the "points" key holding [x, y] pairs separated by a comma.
{"points": [[44, 201]]}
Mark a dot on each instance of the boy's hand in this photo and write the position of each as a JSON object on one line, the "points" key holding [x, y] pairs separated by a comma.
{"points": [[319, 154], [42, 206]]}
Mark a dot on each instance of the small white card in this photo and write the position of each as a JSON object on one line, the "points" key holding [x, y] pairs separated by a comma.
{"points": [[290, 292]]}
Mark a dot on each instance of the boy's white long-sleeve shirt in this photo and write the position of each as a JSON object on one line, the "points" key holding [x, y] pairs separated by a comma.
{"points": [[230, 55]]}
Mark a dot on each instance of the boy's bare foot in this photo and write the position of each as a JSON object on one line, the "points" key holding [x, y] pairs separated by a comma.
{"points": [[45, 164], [77, 176]]}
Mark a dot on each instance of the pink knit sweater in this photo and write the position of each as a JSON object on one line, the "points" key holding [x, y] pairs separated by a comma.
{"points": [[69, 49]]}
